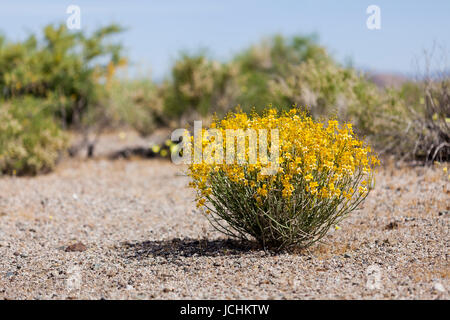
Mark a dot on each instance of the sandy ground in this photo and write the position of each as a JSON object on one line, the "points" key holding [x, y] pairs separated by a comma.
{"points": [[142, 238]]}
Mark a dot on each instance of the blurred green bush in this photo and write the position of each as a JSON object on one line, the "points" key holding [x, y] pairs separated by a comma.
{"points": [[197, 87], [66, 80], [272, 60], [137, 103], [68, 68], [50, 82], [421, 131], [30, 140], [411, 121], [279, 71]]}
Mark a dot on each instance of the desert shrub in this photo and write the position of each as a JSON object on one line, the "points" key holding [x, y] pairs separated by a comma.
{"points": [[268, 61], [137, 104], [329, 89], [393, 120], [68, 67], [200, 86], [30, 140], [197, 86], [275, 55], [434, 129], [411, 122], [424, 132], [324, 173]]}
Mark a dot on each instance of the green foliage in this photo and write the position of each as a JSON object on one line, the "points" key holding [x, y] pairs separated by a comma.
{"points": [[423, 132], [204, 86], [66, 67], [71, 76], [279, 71], [197, 85], [30, 140], [274, 56], [57, 79], [412, 122], [136, 103], [270, 61], [328, 89]]}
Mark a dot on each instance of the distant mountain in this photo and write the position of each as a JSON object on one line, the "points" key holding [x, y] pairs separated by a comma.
{"points": [[384, 80]]}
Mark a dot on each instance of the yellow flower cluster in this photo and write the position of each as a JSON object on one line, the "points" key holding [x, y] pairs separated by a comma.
{"points": [[324, 160]]}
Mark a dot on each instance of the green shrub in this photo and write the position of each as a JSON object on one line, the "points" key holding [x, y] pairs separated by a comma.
{"points": [[68, 67], [269, 61], [328, 89], [30, 140], [423, 130], [197, 86], [275, 55], [137, 104]]}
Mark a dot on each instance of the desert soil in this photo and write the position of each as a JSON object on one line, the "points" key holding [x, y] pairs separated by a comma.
{"points": [[129, 229]]}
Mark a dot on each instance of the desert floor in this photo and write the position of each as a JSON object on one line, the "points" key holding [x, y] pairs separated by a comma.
{"points": [[143, 238]]}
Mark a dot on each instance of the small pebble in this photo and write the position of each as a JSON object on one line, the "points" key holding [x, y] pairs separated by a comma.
{"points": [[76, 247], [439, 287]]}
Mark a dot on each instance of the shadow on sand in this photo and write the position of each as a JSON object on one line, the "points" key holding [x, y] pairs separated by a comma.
{"points": [[188, 247]]}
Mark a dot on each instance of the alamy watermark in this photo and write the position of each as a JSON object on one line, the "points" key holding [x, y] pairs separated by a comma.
{"points": [[208, 147], [373, 22], [74, 278], [73, 22], [373, 274]]}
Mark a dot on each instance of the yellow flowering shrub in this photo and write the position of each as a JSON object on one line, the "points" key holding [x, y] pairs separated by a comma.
{"points": [[288, 198]]}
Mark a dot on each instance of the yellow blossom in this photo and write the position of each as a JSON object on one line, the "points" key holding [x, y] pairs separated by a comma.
{"points": [[316, 158]]}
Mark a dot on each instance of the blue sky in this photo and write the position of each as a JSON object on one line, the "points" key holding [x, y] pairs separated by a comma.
{"points": [[158, 30]]}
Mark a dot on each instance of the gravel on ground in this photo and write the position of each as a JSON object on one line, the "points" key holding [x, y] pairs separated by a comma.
{"points": [[129, 229]]}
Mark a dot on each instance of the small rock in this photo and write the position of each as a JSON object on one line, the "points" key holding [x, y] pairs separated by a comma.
{"points": [[96, 266], [10, 274], [347, 256], [20, 255], [439, 287], [76, 247], [443, 213], [391, 226]]}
